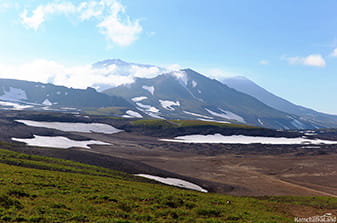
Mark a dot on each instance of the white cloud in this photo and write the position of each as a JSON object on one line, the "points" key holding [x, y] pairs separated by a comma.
{"points": [[121, 33], [334, 53], [315, 60], [47, 71], [173, 67], [220, 74], [40, 14], [110, 16], [264, 62]]}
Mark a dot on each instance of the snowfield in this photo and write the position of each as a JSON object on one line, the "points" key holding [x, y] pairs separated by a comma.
{"points": [[168, 105], [194, 83], [149, 89], [14, 94], [138, 99], [132, 114], [241, 139], [148, 108], [14, 106], [198, 115], [58, 142], [174, 182], [226, 115], [47, 102], [73, 127]]}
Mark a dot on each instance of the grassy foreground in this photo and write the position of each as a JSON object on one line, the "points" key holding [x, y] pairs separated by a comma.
{"points": [[40, 189]]}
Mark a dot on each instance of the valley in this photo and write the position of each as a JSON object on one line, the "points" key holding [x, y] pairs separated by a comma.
{"points": [[283, 176], [244, 170]]}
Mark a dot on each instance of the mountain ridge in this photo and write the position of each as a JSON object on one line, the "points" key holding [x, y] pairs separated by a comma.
{"points": [[249, 87], [195, 96]]}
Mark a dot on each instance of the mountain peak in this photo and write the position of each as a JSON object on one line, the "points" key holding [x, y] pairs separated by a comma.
{"points": [[119, 63], [108, 62]]}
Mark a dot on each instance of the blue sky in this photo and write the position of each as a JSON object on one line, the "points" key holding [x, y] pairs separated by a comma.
{"points": [[286, 46]]}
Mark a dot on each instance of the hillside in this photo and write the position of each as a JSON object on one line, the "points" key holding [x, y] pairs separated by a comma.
{"points": [[187, 94], [247, 86], [64, 191], [23, 95]]}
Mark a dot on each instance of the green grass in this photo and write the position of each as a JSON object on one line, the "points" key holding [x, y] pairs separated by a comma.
{"points": [[186, 123], [316, 202], [106, 111], [40, 189]]}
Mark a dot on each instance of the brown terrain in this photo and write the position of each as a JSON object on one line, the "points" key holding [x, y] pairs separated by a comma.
{"points": [[251, 170], [249, 174]]}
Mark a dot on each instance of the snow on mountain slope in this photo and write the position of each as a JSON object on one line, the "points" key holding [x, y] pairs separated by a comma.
{"points": [[19, 95], [247, 86], [189, 95], [198, 115], [138, 99], [226, 115], [132, 114], [149, 89], [13, 94], [169, 105]]}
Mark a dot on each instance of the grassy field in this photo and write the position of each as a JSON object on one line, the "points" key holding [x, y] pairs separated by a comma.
{"points": [[187, 123], [40, 189]]}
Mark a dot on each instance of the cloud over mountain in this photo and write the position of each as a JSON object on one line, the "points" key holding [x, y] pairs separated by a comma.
{"points": [[100, 75]]}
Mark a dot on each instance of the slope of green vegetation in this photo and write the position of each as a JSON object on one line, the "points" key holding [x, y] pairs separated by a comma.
{"points": [[186, 123], [106, 111], [40, 189]]}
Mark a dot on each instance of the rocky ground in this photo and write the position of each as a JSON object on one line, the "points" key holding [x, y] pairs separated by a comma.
{"points": [[252, 170]]}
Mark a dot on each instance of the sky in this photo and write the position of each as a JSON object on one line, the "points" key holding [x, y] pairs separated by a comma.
{"points": [[288, 47]]}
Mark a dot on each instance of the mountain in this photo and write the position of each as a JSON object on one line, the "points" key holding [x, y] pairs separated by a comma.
{"points": [[120, 64], [18, 94], [187, 94], [115, 67], [247, 86]]}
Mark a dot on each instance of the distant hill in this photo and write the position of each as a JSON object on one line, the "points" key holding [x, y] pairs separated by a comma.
{"points": [[18, 94], [247, 86]]}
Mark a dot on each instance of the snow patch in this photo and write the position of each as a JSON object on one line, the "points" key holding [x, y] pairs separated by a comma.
{"points": [[148, 107], [226, 115], [198, 115], [168, 105], [14, 94], [149, 89], [297, 124], [132, 114], [154, 115], [174, 182], [232, 116], [14, 106], [138, 99], [181, 76], [47, 102], [194, 83], [58, 142], [261, 122], [73, 127], [241, 139]]}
